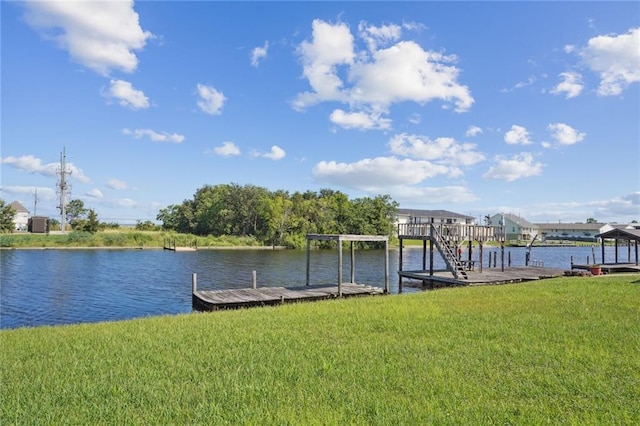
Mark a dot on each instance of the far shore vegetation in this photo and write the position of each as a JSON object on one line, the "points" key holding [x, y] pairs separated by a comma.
{"points": [[556, 351], [250, 214]]}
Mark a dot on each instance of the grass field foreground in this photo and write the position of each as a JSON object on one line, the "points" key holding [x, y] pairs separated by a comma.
{"points": [[560, 351]]}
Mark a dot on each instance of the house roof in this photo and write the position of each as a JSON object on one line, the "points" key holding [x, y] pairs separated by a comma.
{"points": [[518, 220], [621, 234], [432, 213], [18, 208]]}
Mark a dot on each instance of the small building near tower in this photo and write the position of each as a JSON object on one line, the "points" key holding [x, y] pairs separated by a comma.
{"points": [[21, 216], [39, 225]]}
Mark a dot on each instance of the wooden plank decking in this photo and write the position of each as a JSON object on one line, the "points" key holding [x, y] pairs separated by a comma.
{"points": [[487, 276], [611, 268], [212, 300]]}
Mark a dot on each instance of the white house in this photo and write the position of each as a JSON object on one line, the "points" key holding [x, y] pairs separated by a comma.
{"points": [[436, 217], [21, 217], [514, 227], [572, 231]]}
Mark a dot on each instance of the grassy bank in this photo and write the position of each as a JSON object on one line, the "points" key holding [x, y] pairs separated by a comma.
{"points": [[120, 238], [561, 351]]}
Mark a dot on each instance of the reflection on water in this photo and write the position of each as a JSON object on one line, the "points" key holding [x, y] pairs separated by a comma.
{"points": [[49, 287]]}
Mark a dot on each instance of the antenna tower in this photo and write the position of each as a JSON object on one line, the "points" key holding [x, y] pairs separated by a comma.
{"points": [[35, 202], [63, 189]]}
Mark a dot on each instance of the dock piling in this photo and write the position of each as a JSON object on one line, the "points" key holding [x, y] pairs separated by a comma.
{"points": [[254, 280], [194, 282]]}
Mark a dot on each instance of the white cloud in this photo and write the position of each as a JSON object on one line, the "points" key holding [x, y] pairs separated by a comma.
{"points": [[359, 120], [627, 205], [227, 149], [571, 85], [123, 202], [414, 119], [517, 135], [373, 79], [473, 131], [210, 100], [276, 153], [259, 53], [516, 167], [408, 195], [380, 172], [31, 164], [376, 36], [116, 184], [569, 48], [101, 35], [406, 72], [616, 58], [442, 150], [44, 193], [331, 46], [94, 193], [565, 134], [154, 136], [127, 96]]}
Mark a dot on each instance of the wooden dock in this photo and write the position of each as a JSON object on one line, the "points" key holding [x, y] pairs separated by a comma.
{"points": [[423, 278], [213, 300], [610, 268]]}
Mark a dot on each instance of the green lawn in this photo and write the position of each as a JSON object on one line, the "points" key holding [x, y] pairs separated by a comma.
{"points": [[559, 351]]}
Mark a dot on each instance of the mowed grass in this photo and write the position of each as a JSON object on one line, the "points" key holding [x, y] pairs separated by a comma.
{"points": [[559, 351]]}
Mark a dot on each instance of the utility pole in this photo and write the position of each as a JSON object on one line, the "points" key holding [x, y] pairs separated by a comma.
{"points": [[63, 189], [35, 203]]}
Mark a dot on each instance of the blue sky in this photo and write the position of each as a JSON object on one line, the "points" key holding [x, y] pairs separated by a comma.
{"points": [[479, 108]]}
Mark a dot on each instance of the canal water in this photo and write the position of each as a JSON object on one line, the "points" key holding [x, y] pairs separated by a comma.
{"points": [[54, 287]]}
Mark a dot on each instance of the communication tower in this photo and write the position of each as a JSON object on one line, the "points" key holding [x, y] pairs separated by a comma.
{"points": [[63, 188]]}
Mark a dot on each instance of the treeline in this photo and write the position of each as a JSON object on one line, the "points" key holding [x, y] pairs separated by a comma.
{"points": [[278, 217]]}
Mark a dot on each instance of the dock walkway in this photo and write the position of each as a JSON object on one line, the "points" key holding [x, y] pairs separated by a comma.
{"points": [[487, 276], [213, 300]]}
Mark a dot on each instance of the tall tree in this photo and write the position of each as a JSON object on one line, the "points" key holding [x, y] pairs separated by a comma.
{"points": [[7, 214], [75, 210]]}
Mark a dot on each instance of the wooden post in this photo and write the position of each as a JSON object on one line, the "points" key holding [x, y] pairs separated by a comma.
{"points": [[508, 259], [339, 267], [424, 255], [308, 258], [353, 262], [400, 267], [431, 254], [386, 266], [194, 283], [502, 256], [254, 279]]}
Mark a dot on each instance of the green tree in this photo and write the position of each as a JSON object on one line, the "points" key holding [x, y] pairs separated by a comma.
{"points": [[147, 225], [591, 220], [7, 214], [92, 224], [75, 210]]}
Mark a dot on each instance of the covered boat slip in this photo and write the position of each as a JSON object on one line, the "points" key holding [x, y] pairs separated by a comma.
{"points": [[630, 239], [209, 300]]}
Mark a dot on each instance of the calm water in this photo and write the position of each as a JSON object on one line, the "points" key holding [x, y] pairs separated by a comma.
{"points": [[51, 287]]}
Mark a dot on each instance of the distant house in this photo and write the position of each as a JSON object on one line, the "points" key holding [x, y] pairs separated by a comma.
{"points": [[572, 231], [514, 227], [611, 226], [437, 217], [21, 217]]}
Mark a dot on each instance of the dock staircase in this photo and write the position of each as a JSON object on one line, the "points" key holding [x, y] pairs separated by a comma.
{"points": [[446, 245]]}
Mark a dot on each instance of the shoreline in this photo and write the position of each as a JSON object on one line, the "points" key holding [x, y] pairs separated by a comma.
{"points": [[148, 248]]}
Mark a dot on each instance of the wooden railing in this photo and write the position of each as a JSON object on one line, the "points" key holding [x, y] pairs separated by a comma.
{"points": [[454, 232]]}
